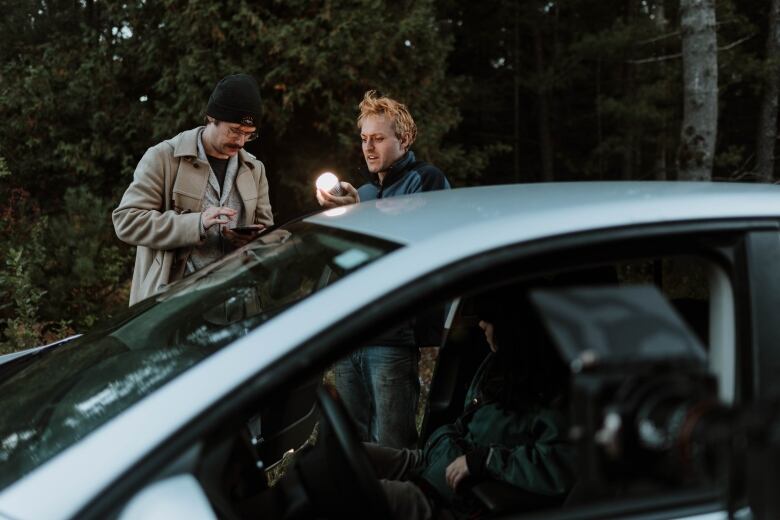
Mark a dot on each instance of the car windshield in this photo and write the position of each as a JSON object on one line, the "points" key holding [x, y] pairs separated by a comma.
{"points": [[51, 399]]}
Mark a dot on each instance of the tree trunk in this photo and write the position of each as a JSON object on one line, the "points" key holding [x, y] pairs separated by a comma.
{"points": [[660, 166], [545, 137], [629, 136], [767, 123], [629, 88], [700, 89], [599, 122], [516, 94]]}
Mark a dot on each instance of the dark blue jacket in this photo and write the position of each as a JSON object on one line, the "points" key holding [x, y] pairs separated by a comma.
{"points": [[406, 175]]}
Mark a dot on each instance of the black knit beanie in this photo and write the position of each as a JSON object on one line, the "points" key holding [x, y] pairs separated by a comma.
{"points": [[236, 99]]}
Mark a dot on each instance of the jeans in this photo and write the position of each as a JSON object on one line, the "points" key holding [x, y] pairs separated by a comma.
{"points": [[380, 388]]}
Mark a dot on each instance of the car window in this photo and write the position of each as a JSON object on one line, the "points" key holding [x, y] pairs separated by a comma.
{"points": [[53, 398], [697, 289], [699, 292]]}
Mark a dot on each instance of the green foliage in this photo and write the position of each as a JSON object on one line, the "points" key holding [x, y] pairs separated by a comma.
{"points": [[21, 321], [61, 272], [86, 87], [23, 329], [83, 266]]}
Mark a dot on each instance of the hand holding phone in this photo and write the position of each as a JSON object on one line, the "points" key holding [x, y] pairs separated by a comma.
{"points": [[241, 235], [246, 230]]}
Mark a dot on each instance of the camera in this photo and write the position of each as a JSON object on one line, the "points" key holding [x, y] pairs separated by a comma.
{"points": [[644, 407]]}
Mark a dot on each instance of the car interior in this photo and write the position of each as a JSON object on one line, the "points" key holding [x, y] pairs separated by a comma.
{"points": [[298, 437]]}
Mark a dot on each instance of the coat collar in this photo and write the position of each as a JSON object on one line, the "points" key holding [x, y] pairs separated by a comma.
{"points": [[195, 180], [186, 145], [394, 173], [398, 169]]}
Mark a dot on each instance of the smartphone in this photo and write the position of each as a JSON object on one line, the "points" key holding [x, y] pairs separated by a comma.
{"points": [[246, 230]]}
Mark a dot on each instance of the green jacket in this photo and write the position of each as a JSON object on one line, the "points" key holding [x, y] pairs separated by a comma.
{"points": [[528, 450]]}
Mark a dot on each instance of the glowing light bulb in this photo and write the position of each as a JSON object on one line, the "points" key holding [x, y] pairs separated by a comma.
{"points": [[330, 183]]}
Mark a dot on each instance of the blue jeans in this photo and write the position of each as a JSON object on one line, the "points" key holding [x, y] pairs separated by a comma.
{"points": [[380, 387]]}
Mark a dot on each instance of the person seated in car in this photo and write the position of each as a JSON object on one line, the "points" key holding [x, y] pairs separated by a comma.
{"points": [[513, 430]]}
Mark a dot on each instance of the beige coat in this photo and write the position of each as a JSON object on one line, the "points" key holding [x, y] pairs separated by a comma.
{"points": [[160, 210]]}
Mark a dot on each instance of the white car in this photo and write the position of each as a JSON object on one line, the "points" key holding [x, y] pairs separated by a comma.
{"points": [[178, 407]]}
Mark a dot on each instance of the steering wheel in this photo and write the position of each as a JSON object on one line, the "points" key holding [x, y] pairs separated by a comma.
{"points": [[337, 474]]}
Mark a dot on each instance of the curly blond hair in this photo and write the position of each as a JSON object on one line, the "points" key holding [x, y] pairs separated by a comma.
{"points": [[375, 105]]}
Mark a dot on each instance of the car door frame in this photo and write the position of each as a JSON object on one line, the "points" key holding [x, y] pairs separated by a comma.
{"points": [[739, 257]]}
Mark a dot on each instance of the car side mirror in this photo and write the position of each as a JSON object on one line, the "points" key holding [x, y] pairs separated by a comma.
{"points": [[180, 496]]}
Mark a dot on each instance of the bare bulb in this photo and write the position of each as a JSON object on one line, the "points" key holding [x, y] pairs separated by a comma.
{"points": [[330, 183]]}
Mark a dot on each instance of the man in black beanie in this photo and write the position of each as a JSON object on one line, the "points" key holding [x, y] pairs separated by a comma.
{"points": [[188, 193]]}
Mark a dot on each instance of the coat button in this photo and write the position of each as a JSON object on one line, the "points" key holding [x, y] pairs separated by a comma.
{"points": [[195, 165]]}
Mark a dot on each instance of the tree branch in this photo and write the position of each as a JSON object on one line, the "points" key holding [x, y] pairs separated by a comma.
{"points": [[678, 54], [734, 44], [677, 33], [655, 59], [659, 38]]}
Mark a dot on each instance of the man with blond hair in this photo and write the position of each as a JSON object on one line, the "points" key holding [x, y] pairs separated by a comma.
{"points": [[387, 131], [379, 383]]}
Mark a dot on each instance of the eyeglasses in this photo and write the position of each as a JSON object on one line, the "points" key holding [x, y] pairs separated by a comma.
{"points": [[249, 136]]}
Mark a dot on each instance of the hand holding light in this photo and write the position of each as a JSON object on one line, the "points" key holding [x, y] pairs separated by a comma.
{"points": [[330, 183], [331, 193]]}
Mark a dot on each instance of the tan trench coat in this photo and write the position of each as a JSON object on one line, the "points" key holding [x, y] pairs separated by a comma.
{"points": [[160, 210]]}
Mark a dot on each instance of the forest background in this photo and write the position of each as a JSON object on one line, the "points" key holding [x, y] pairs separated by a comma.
{"points": [[503, 91]]}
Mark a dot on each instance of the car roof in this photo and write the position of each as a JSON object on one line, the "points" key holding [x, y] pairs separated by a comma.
{"points": [[544, 209]]}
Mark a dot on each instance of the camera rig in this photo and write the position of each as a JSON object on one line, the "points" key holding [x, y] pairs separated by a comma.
{"points": [[645, 408]]}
